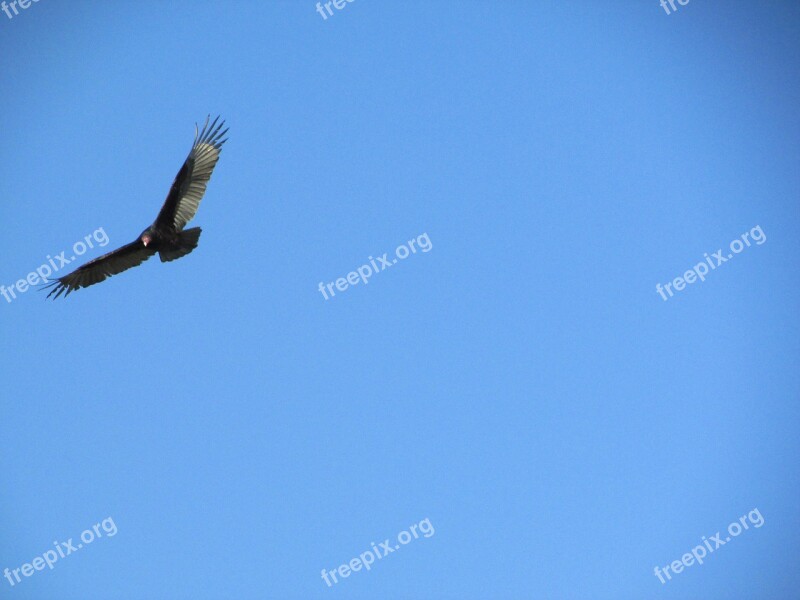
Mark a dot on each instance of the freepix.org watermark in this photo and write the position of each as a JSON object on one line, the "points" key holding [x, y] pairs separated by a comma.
{"points": [[701, 269], [672, 4], [366, 559], [364, 272], [7, 7], [62, 550], [43, 272], [698, 553], [338, 4]]}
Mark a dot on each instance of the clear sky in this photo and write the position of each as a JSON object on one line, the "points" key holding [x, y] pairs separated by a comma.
{"points": [[517, 381]]}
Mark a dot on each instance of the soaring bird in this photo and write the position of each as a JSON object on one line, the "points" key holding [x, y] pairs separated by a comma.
{"points": [[166, 235]]}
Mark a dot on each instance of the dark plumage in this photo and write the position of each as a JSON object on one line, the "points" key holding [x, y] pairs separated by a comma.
{"points": [[166, 235]]}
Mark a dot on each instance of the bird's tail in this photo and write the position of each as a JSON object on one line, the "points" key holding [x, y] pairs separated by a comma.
{"points": [[187, 241]]}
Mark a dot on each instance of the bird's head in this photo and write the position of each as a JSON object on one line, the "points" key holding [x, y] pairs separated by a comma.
{"points": [[146, 237]]}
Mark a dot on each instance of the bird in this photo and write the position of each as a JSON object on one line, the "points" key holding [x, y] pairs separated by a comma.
{"points": [[166, 236]]}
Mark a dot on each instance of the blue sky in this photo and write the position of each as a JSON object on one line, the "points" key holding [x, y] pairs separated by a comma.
{"points": [[521, 385]]}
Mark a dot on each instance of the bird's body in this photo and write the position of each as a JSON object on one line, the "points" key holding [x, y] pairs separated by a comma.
{"points": [[166, 236], [170, 243]]}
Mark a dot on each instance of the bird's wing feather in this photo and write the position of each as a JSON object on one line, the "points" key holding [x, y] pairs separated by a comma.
{"points": [[99, 269], [190, 183]]}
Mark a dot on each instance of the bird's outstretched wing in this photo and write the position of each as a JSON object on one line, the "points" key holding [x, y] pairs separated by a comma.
{"points": [[99, 269], [190, 183]]}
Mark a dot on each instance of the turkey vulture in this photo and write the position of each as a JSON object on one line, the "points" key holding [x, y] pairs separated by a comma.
{"points": [[166, 235]]}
